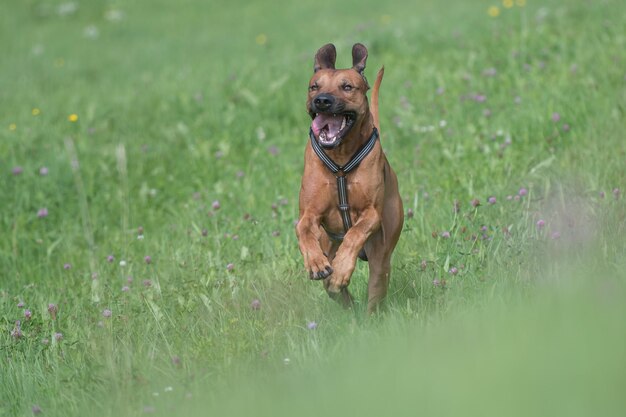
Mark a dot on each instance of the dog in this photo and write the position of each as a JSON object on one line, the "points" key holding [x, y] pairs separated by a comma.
{"points": [[349, 204]]}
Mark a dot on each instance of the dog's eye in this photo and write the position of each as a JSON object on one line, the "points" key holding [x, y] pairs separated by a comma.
{"points": [[313, 87], [347, 87]]}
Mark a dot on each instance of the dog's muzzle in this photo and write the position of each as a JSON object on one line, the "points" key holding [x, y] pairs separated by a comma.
{"points": [[330, 122]]}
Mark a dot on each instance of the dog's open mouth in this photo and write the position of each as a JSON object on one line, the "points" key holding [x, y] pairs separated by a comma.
{"points": [[330, 128]]}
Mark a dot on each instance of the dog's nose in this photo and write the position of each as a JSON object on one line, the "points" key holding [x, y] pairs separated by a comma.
{"points": [[323, 102]]}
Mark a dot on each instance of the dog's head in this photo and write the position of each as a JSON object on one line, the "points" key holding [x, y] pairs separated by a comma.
{"points": [[337, 100]]}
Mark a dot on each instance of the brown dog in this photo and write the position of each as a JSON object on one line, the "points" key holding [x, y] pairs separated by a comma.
{"points": [[349, 201]]}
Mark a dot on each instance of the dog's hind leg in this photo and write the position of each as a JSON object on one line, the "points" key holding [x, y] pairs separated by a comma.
{"points": [[379, 271], [380, 246]]}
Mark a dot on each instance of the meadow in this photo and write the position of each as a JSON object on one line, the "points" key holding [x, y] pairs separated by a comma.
{"points": [[150, 162]]}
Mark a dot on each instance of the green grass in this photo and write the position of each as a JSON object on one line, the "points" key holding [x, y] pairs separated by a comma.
{"points": [[181, 104]]}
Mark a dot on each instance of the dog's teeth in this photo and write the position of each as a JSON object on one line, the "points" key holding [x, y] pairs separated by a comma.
{"points": [[343, 124]]}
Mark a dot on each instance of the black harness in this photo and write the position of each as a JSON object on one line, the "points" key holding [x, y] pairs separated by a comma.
{"points": [[340, 173]]}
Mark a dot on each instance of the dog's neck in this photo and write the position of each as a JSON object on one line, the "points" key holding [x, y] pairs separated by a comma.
{"points": [[355, 139]]}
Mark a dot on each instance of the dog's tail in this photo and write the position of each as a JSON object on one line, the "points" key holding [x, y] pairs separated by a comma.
{"points": [[374, 104]]}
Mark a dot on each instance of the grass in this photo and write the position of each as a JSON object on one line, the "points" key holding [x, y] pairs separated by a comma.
{"points": [[183, 107]]}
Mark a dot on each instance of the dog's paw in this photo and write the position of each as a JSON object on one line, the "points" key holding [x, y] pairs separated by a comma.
{"points": [[321, 274], [342, 272], [336, 284], [320, 269]]}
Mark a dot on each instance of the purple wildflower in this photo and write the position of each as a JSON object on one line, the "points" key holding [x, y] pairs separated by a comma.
{"points": [[556, 117], [58, 336], [67, 266], [453, 271], [43, 171], [125, 288], [106, 313], [43, 212], [52, 309], [480, 98], [110, 258], [491, 200], [540, 223], [311, 325], [436, 282], [28, 314], [147, 259], [555, 235], [216, 205], [17, 170], [522, 192], [20, 304], [147, 283], [475, 202], [255, 304], [566, 127], [230, 267], [445, 234]]}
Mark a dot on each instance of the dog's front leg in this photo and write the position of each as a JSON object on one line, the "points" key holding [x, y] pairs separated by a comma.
{"points": [[309, 233], [345, 260]]}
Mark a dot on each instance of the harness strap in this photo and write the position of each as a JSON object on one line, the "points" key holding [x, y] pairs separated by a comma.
{"points": [[335, 237], [340, 173]]}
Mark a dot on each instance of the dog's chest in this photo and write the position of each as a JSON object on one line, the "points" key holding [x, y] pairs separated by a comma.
{"points": [[358, 195]]}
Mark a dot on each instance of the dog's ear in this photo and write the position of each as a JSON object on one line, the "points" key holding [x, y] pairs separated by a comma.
{"points": [[325, 57], [359, 57]]}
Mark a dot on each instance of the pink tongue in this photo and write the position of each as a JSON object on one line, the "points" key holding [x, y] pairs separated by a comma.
{"points": [[333, 123]]}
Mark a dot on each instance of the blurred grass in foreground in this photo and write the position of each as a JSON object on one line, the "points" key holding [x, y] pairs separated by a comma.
{"points": [[562, 352]]}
